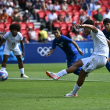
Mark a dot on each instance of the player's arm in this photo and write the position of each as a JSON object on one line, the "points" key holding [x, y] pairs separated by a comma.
{"points": [[108, 44], [22, 47], [50, 52], [93, 28], [2, 41], [75, 44], [109, 49]]}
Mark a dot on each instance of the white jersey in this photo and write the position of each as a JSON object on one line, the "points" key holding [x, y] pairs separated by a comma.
{"points": [[100, 43], [11, 41]]}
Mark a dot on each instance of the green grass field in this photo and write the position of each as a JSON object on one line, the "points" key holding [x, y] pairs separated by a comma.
{"points": [[42, 93]]}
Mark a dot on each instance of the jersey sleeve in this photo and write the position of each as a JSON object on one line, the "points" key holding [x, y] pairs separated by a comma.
{"points": [[53, 45], [97, 34], [67, 39], [21, 37], [94, 33], [104, 31], [6, 35]]}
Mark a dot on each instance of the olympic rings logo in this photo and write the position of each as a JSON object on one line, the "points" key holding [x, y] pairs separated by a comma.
{"points": [[43, 50]]}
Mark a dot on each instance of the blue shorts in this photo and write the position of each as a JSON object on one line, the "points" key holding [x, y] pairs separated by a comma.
{"points": [[71, 61], [108, 64]]}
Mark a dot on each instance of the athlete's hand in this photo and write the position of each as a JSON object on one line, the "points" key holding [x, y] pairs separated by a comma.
{"points": [[48, 54], [79, 26], [108, 60], [80, 52]]}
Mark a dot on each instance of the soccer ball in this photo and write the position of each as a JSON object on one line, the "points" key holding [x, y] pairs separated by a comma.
{"points": [[3, 75]]}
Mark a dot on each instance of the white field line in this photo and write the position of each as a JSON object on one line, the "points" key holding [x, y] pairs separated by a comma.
{"points": [[59, 79]]}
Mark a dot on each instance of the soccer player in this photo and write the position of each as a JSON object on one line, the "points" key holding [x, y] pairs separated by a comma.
{"points": [[66, 44], [106, 32], [97, 60], [12, 38]]}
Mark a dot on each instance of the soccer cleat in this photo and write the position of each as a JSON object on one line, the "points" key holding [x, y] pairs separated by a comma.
{"points": [[52, 75], [24, 76], [70, 94]]}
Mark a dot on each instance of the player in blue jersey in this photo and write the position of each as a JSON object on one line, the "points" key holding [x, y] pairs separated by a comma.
{"points": [[106, 32], [66, 44]]}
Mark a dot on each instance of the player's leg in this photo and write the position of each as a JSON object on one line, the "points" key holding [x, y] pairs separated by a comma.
{"points": [[20, 65], [6, 54], [5, 58], [63, 72], [75, 66], [17, 53], [89, 64], [20, 62], [86, 68], [71, 61], [78, 85]]}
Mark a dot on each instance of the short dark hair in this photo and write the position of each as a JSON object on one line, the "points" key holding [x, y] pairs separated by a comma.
{"points": [[106, 20], [4, 10], [42, 27], [88, 21], [56, 28], [15, 26], [52, 10]]}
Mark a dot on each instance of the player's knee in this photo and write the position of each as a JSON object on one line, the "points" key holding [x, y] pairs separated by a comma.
{"points": [[83, 73], [69, 66], [4, 59], [78, 63], [19, 59]]}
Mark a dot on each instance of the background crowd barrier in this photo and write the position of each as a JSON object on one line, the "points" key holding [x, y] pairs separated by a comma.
{"points": [[36, 53]]}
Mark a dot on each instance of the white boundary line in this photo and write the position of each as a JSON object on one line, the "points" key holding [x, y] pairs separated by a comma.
{"points": [[59, 79]]}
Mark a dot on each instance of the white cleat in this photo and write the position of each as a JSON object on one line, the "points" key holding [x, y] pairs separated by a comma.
{"points": [[24, 76], [52, 75], [70, 94]]}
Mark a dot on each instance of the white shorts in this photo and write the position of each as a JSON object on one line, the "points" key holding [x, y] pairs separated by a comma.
{"points": [[93, 62], [7, 51]]}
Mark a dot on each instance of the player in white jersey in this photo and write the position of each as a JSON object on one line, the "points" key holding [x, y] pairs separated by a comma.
{"points": [[12, 38], [97, 60]]}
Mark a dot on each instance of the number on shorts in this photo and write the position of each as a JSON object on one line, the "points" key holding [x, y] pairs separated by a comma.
{"points": [[87, 65]]}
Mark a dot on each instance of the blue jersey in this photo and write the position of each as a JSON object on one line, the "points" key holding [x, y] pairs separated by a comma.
{"points": [[66, 45], [107, 34], [87, 37]]}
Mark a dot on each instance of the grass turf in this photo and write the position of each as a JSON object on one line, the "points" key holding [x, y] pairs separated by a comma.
{"points": [[42, 93]]}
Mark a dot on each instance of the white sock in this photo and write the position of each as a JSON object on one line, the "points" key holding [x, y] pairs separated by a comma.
{"points": [[76, 89], [61, 73], [3, 68], [22, 70]]}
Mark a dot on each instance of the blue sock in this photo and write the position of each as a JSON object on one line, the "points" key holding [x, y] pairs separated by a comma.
{"points": [[108, 66]]}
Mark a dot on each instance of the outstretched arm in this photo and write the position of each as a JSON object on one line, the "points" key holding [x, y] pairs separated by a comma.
{"points": [[22, 47], [93, 28], [75, 44], [50, 52], [2, 41]]}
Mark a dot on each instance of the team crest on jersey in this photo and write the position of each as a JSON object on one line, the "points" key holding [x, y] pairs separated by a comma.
{"points": [[61, 44]]}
